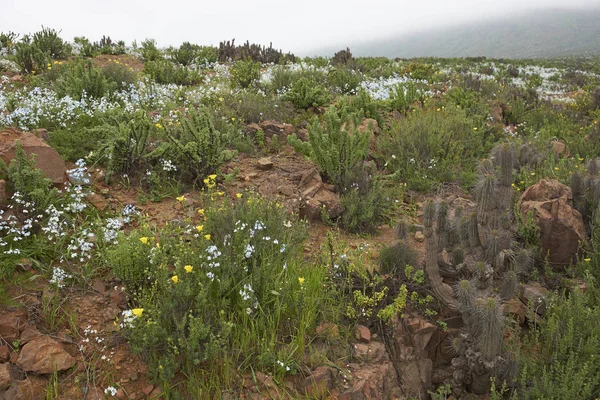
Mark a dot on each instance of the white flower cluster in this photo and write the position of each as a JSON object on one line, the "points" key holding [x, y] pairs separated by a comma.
{"points": [[59, 276]]}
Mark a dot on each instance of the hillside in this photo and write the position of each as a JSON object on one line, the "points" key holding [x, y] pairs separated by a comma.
{"points": [[552, 33]]}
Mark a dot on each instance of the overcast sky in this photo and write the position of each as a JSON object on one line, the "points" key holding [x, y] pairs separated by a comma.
{"points": [[298, 26]]}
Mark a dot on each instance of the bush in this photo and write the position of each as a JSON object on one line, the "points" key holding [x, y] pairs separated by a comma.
{"points": [[344, 80], [48, 42], [305, 93], [81, 78], [363, 201], [131, 260], [335, 146], [430, 146], [255, 107], [393, 259], [231, 296], [245, 73], [165, 72], [195, 147], [149, 51]]}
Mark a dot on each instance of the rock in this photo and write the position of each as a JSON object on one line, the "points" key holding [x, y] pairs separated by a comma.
{"points": [[318, 197], [148, 389], [44, 355], [29, 334], [328, 330], [416, 377], [318, 384], [276, 128], [47, 159], [264, 163], [419, 236], [561, 226], [535, 293], [23, 265], [5, 376], [302, 134], [12, 321], [362, 333], [4, 353], [560, 149], [31, 388], [42, 134], [251, 129], [517, 309], [4, 199]]}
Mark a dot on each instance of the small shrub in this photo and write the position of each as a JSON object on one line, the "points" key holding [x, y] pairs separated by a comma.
{"points": [[393, 259], [245, 73], [165, 72], [82, 79], [344, 81], [149, 51], [304, 94]]}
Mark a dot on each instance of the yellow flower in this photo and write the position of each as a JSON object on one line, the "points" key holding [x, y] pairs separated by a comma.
{"points": [[220, 193], [199, 228], [212, 176], [533, 173], [233, 118], [474, 128], [144, 240], [137, 312], [220, 99], [301, 280], [207, 237], [188, 268], [238, 195], [201, 212], [158, 125], [181, 198], [49, 64], [175, 279], [556, 168], [587, 259]]}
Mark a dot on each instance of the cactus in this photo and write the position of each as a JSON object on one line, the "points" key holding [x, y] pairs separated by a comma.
{"points": [[428, 214], [504, 157], [509, 286], [490, 326], [484, 193]]}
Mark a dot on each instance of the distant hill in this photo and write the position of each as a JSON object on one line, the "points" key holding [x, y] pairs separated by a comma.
{"points": [[543, 34]]}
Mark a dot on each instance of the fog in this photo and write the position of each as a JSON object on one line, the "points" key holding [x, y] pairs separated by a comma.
{"points": [[300, 26]]}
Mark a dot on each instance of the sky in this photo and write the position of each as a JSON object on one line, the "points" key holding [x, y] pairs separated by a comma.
{"points": [[301, 27]]}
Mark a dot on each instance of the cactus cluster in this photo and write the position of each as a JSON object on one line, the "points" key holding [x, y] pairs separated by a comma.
{"points": [[585, 187], [228, 51], [478, 250]]}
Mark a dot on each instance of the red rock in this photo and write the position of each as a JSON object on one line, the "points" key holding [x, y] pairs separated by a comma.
{"points": [[319, 384], [535, 293], [362, 333], [276, 128], [264, 163], [29, 334], [517, 309], [12, 321], [5, 376], [148, 389], [561, 226], [47, 159], [32, 388], [44, 355], [4, 353]]}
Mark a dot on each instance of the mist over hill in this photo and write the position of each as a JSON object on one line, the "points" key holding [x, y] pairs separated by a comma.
{"points": [[543, 34]]}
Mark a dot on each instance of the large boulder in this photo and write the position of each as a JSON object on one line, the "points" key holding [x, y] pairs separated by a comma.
{"points": [[561, 226], [44, 355], [46, 158]]}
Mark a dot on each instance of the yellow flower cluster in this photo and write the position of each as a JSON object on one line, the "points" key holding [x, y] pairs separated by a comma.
{"points": [[210, 181]]}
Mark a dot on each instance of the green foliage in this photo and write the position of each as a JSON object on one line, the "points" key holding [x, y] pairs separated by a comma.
{"points": [[344, 80], [431, 146], [81, 78], [131, 260], [48, 42], [8, 41], [305, 93], [394, 259], [27, 180], [403, 97], [363, 201], [188, 54], [195, 147], [29, 57], [165, 72], [233, 303], [559, 360], [149, 51], [245, 73], [256, 107], [335, 145]]}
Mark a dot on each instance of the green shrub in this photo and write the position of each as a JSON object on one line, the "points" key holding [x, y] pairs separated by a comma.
{"points": [[255, 107], [393, 259], [29, 181], [305, 93], [283, 79], [29, 57], [48, 42], [165, 72], [81, 78], [121, 76], [344, 80], [363, 201], [149, 51], [130, 260], [195, 147], [429, 147], [335, 146], [230, 296], [403, 97], [245, 73]]}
